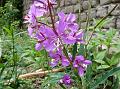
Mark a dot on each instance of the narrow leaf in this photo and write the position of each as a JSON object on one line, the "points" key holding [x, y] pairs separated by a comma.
{"points": [[102, 78], [81, 50], [116, 84], [103, 67], [74, 51]]}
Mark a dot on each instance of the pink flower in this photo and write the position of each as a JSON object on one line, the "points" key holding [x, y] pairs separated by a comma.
{"points": [[66, 80], [68, 29], [39, 8], [58, 57], [81, 64], [66, 35]]}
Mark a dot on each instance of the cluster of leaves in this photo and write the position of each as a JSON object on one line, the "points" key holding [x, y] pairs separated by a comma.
{"points": [[17, 54], [104, 48], [11, 10]]}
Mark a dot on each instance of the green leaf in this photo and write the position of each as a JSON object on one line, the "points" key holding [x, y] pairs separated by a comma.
{"points": [[81, 50], [0, 48], [1, 65], [115, 59], [103, 67], [111, 33], [101, 55], [52, 78], [100, 61], [102, 78], [74, 51], [116, 84], [65, 52], [7, 30], [89, 72]]}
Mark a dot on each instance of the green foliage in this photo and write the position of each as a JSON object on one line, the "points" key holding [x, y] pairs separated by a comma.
{"points": [[51, 80], [18, 56], [102, 78], [105, 57], [17, 53], [7, 14]]}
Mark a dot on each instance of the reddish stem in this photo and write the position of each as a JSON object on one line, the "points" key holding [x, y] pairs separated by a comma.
{"points": [[49, 7]]}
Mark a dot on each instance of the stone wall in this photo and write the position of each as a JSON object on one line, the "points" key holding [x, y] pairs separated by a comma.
{"points": [[26, 4], [92, 8]]}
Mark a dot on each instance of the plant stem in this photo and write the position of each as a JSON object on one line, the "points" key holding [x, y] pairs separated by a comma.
{"points": [[14, 58], [87, 24], [99, 23], [53, 25], [62, 86], [54, 30], [74, 51], [66, 54]]}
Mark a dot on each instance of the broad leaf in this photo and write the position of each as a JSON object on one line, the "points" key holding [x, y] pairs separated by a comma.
{"points": [[101, 55]]}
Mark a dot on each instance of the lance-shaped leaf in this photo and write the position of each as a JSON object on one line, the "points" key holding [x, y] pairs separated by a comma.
{"points": [[102, 78]]}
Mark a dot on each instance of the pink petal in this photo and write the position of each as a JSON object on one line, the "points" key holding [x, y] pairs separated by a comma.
{"points": [[61, 15], [69, 40], [80, 57], [71, 17], [38, 46], [49, 45], [87, 62], [30, 31], [65, 62], [54, 63], [80, 71]]}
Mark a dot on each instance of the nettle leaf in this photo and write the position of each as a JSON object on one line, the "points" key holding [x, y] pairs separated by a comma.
{"points": [[103, 77], [103, 67], [101, 55]]}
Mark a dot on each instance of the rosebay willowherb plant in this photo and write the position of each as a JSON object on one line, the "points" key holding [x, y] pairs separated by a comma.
{"points": [[57, 38]]}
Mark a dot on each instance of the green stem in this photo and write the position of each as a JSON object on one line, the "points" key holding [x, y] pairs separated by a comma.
{"points": [[66, 54], [87, 24], [13, 53], [74, 51], [62, 86], [100, 23]]}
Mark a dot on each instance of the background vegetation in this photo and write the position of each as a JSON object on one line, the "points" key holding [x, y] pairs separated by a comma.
{"points": [[18, 56]]}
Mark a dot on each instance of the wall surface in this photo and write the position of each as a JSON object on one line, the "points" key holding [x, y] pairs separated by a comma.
{"points": [[84, 8], [26, 4]]}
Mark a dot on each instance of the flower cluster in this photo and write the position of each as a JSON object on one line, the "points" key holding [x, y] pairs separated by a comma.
{"points": [[65, 31], [66, 80]]}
